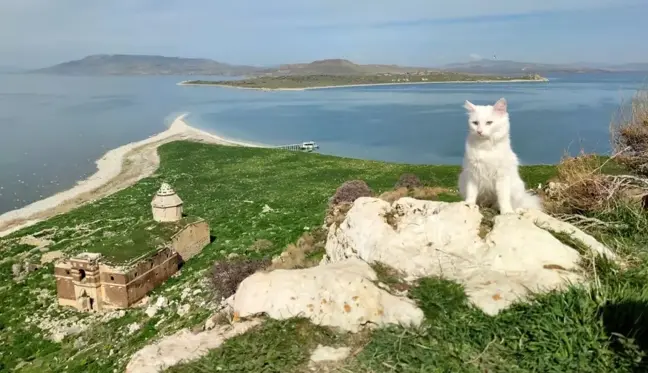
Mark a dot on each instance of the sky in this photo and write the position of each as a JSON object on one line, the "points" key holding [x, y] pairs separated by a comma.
{"points": [[37, 33]]}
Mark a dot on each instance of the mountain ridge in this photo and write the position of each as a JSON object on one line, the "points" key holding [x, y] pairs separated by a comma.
{"points": [[130, 64]]}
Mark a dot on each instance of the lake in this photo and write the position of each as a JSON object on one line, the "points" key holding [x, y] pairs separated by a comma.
{"points": [[54, 127]]}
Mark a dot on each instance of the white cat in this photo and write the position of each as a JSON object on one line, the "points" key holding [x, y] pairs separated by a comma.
{"points": [[490, 167]]}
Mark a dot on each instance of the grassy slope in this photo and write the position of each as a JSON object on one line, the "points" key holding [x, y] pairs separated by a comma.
{"points": [[228, 187]]}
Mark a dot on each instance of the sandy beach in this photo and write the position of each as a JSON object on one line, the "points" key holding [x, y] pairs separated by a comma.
{"points": [[118, 169], [186, 83]]}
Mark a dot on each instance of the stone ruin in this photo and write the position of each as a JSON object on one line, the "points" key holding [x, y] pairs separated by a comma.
{"points": [[87, 283]]}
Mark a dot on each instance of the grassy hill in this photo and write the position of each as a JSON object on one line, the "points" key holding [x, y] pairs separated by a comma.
{"points": [[342, 67], [486, 66], [123, 64], [604, 329]]}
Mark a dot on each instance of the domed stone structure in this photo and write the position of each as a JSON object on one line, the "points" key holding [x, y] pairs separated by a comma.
{"points": [[166, 205]]}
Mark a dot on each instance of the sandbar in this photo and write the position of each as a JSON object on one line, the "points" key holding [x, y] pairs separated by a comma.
{"points": [[543, 80], [118, 169]]}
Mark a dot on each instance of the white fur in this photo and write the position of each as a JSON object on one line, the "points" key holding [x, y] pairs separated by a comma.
{"points": [[490, 167]]}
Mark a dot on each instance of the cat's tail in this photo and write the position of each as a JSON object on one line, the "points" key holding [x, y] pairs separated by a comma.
{"points": [[531, 201]]}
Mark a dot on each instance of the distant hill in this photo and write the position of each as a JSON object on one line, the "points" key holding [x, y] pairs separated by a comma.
{"points": [[639, 67], [124, 64], [339, 67], [512, 67]]}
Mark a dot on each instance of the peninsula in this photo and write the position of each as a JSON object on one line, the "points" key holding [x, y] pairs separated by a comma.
{"points": [[303, 82]]}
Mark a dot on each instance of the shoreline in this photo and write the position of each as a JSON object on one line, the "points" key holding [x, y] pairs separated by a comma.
{"points": [[186, 83], [117, 169]]}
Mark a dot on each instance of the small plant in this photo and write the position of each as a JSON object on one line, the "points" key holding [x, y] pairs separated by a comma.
{"points": [[350, 191], [629, 132], [226, 275], [409, 181], [307, 252], [261, 245], [392, 196]]}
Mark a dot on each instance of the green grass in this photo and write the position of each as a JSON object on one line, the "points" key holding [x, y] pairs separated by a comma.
{"points": [[306, 81], [135, 241], [603, 330]]}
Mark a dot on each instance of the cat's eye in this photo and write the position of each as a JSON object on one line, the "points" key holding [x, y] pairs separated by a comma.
{"points": [[475, 123], [489, 122]]}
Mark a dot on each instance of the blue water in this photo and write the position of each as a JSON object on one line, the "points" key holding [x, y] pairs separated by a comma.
{"points": [[54, 128]]}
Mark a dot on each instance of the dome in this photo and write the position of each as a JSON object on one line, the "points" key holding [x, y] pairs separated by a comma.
{"points": [[166, 197], [166, 205]]}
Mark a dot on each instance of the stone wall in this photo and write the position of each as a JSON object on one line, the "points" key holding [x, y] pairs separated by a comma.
{"points": [[191, 240], [151, 274]]}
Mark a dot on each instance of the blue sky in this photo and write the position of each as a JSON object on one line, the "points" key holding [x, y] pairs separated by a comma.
{"points": [[261, 32]]}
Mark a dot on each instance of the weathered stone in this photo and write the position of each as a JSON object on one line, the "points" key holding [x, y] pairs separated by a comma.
{"points": [[327, 353], [339, 294], [429, 238], [183, 346]]}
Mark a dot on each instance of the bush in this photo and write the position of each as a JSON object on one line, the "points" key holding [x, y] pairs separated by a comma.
{"points": [[226, 275], [409, 181], [307, 252], [350, 191], [629, 132], [578, 187]]}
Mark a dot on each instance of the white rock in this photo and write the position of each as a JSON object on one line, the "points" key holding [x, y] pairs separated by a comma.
{"points": [[132, 328], [183, 346], [151, 310], [161, 302], [338, 294], [210, 324], [266, 209], [158, 305], [442, 239], [183, 310], [327, 353], [50, 257]]}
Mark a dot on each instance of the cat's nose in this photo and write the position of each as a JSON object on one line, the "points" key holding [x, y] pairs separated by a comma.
{"points": [[479, 132]]}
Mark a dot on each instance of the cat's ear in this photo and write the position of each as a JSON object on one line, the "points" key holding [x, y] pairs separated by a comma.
{"points": [[469, 106], [500, 106]]}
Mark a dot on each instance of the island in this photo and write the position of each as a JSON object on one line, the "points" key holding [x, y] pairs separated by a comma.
{"points": [[319, 81]]}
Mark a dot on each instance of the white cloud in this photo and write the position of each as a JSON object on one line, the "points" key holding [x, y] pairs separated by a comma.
{"points": [[475, 56]]}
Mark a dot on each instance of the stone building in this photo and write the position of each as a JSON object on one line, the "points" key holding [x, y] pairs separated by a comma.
{"points": [[88, 282], [166, 205]]}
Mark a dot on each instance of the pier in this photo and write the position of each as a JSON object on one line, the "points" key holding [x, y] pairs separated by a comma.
{"points": [[307, 146]]}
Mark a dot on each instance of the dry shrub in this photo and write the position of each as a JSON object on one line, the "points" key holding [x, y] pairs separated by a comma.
{"points": [[303, 253], [424, 193], [261, 245], [392, 196], [350, 191], [409, 181], [578, 187], [226, 275], [629, 132], [336, 214], [429, 193]]}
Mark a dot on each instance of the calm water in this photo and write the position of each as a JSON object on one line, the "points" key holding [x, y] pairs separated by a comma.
{"points": [[54, 128]]}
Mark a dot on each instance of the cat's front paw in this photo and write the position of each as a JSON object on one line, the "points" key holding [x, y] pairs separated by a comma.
{"points": [[507, 212]]}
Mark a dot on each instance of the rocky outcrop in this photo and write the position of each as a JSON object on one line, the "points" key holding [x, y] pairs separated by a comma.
{"points": [[341, 294], [428, 238]]}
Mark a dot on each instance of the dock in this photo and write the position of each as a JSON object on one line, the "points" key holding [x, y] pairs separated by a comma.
{"points": [[307, 146]]}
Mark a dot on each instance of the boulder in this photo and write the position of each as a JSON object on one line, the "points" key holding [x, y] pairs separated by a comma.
{"points": [[341, 294], [430, 238]]}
